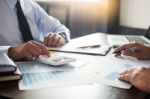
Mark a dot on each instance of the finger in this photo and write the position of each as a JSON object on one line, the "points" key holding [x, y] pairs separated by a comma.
{"points": [[60, 42], [55, 40], [125, 52], [33, 44], [125, 72], [33, 52], [130, 53], [125, 77], [33, 48], [117, 54], [120, 48], [126, 46], [28, 56], [50, 39], [42, 48], [46, 40]]}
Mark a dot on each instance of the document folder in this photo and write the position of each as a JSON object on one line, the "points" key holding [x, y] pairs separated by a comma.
{"points": [[103, 50], [92, 44]]}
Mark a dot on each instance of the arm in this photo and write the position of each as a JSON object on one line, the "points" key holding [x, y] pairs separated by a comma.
{"points": [[27, 51], [139, 77], [142, 53], [48, 25]]}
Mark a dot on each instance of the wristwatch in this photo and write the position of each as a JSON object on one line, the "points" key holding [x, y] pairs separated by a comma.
{"points": [[63, 34]]}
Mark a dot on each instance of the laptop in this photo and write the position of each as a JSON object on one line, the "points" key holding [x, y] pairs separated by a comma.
{"points": [[117, 40]]}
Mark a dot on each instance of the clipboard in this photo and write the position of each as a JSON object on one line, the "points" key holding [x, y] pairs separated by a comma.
{"points": [[93, 51], [92, 44]]}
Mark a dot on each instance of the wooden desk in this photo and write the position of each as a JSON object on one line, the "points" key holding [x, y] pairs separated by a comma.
{"points": [[72, 92], [95, 91]]}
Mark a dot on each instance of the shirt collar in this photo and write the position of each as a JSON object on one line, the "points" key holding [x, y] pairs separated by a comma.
{"points": [[11, 3]]}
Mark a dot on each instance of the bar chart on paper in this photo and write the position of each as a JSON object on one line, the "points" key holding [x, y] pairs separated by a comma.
{"points": [[36, 76], [40, 77]]}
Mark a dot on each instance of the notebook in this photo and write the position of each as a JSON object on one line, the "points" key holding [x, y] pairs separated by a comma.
{"points": [[6, 64], [10, 76], [8, 69], [117, 40]]}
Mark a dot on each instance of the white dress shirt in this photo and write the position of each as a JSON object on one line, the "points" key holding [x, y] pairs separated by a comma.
{"points": [[39, 21]]}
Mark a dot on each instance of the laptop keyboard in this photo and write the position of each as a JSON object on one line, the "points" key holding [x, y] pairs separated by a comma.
{"points": [[136, 39]]}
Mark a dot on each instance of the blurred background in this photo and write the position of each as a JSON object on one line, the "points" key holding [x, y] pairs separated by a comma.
{"points": [[84, 17]]}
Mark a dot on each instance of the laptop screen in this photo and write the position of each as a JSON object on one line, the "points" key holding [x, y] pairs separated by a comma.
{"points": [[148, 33]]}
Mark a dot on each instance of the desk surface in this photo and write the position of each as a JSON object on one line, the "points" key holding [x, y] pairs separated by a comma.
{"points": [[73, 92], [95, 91]]}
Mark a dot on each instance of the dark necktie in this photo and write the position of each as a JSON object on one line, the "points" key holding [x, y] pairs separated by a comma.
{"points": [[23, 24]]}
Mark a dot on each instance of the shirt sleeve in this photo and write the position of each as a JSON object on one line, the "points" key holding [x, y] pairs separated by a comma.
{"points": [[46, 23], [4, 49]]}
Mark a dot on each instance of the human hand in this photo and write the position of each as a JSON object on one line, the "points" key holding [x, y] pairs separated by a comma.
{"points": [[139, 77], [28, 51], [142, 51], [54, 40]]}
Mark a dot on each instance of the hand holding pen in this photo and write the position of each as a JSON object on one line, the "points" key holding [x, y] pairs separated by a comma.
{"points": [[133, 49]]}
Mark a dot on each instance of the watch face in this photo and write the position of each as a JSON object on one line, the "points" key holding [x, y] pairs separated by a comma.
{"points": [[64, 36]]}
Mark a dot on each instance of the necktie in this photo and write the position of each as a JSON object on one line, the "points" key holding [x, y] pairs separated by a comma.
{"points": [[23, 24]]}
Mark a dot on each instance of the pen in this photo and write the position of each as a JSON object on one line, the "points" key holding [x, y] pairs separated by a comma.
{"points": [[89, 46], [132, 50]]}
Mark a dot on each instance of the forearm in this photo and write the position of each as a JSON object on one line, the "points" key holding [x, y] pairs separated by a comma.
{"points": [[47, 24], [55, 26]]}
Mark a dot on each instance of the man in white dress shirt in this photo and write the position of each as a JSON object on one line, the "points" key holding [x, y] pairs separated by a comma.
{"points": [[45, 30]]}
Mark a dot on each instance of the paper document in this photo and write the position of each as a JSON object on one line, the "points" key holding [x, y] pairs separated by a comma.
{"points": [[91, 44], [37, 75], [111, 79], [105, 70], [103, 50], [120, 64]]}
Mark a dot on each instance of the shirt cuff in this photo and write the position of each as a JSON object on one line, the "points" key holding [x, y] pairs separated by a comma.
{"points": [[4, 49]]}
